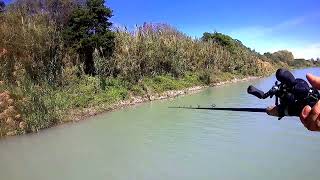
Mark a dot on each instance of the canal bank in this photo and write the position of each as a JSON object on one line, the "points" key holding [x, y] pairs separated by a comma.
{"points": [[85, 113]]}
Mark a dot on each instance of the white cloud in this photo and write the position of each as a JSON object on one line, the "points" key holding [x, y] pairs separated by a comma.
{"points": [[262, 38], [258, 30], [307, 52]]}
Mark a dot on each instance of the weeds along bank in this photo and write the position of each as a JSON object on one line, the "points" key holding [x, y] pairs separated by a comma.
{"points": [[53, 63]]}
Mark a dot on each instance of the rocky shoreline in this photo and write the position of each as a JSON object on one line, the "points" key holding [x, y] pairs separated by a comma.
{"points": [[78, 115]]}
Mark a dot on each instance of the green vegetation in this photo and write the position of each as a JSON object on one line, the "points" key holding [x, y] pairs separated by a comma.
{"points": [[88, 30], [2, 6], [61, 56], [160, 84]]}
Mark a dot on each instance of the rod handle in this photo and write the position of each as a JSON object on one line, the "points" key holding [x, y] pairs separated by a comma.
{"points": [[255, 91]]}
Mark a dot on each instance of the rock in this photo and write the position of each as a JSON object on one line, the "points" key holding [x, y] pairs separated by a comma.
{"points": [[152, 98], [2, 116], [2, 104], [92, 113], [10, 101], [7, 93], [17, 117], [10, 110], [12, 133], [23, 125], [136, 100], [10, 122]]}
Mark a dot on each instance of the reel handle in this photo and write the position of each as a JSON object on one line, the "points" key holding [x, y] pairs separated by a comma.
{"points": [[256, 92]]}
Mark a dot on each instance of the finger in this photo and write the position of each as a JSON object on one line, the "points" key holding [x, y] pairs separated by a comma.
{"points": [[314, 80], [313, 125], [272, 111], [304, 114], [318, 124], [314, 113]]}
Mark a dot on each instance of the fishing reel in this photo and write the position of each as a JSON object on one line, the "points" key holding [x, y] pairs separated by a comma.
{"points": [[291, 94]]}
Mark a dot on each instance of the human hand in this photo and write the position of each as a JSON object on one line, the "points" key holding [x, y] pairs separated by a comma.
{"points": [[310, 116], [273, 111]]}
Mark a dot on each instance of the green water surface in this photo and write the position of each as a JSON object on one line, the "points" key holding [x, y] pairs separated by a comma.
{"points": [[152, 142]]}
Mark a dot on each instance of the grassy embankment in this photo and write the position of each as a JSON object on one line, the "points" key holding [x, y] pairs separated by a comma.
{"points": [[38, 106]]}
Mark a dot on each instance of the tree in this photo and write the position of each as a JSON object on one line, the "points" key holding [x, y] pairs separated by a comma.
{"points": [[219, 38], [222, 40], [57, 11], [206, 36], [283, 55], [268, 55], [89, 29], [61, 10], [2, 6]]}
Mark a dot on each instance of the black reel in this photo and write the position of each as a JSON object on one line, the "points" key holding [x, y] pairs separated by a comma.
{"points": [[291, 94]]}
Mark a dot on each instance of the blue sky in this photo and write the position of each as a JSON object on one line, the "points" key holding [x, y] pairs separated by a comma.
{"points": [[269, 25], [262, 25]]}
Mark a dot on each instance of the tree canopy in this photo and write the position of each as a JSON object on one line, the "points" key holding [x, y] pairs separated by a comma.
{"points": [[219, 38], [282, 55], [2, 6], [89, 29]]}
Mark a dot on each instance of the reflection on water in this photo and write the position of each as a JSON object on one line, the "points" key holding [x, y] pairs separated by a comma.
{"points": [[150, 141]]}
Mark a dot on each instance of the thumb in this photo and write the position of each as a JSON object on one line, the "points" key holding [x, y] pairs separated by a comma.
{"points": [[314, 81]]}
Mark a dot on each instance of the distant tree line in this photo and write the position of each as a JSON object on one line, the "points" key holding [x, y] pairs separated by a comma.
{"points": [[53, 35]]}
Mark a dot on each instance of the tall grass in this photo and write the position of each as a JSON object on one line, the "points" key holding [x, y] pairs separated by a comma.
{"points": [[157, 49]]}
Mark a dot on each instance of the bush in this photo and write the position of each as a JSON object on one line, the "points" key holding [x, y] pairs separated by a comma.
{"points": [[205, 77], [26, 108]]}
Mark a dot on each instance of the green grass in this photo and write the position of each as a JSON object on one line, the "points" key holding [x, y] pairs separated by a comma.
{"points": [[224, 76], [160, 84], [48, 106], [87, 93]]}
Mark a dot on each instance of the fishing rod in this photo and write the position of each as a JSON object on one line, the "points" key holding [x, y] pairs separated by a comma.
{"points": [[225, 109], [291, 96]]}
